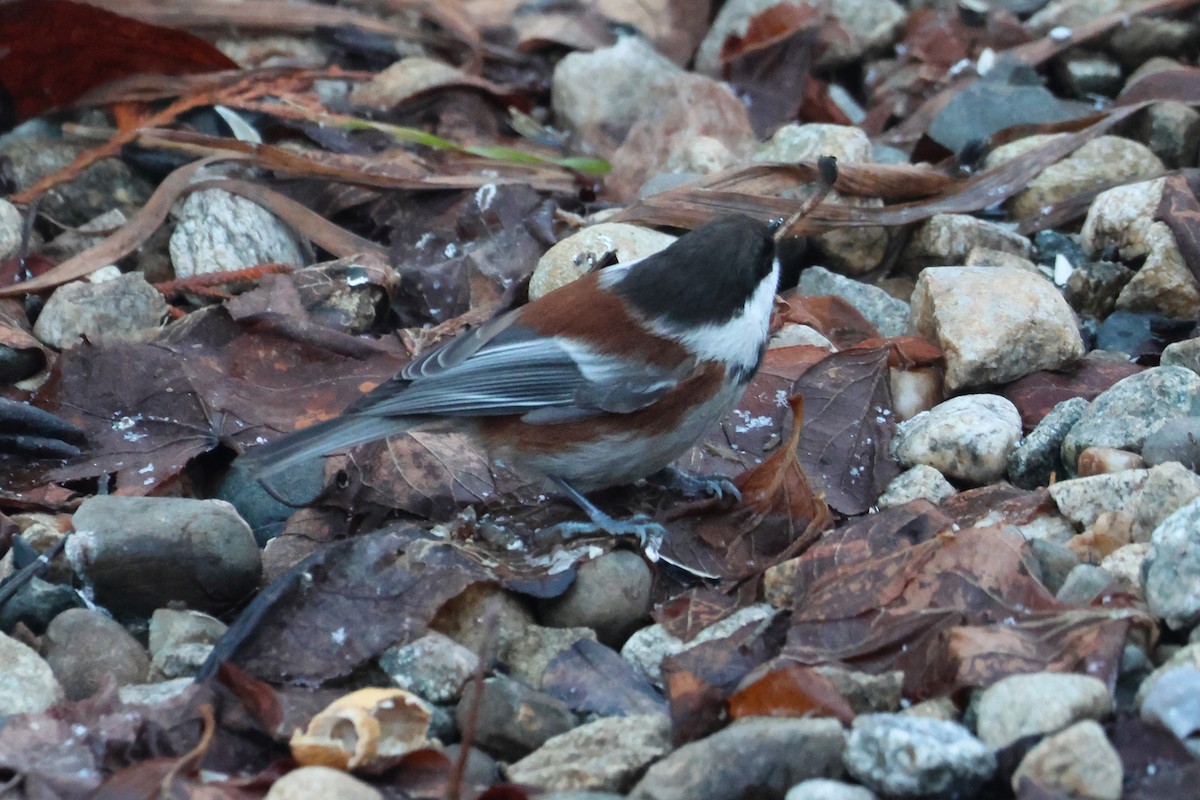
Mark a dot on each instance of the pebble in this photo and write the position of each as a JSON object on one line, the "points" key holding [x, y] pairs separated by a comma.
{"points": [[462, 619], [1124, 217], [1084, 584], [610, 595], [990, 342], [1186, 657], [126, 307], [1185, 353], [1176, 439], [794, 335], [321, 783], [919, 481], [84, 647], [11, 226], [979, 256], [1171, 580], [1078, 761], [1167, 488], [1083, 500], [864, 692], [529, 653], [220, 232], [1037, 458], [647, 648], [583, 251], [27, 682], [1174, 701], [434, 666], [1054, 561], [608, 754], [106, 184], [825, 789], [607, 87], [181, 640], [754, 757], [1172, 132], [906, 756], [1125, 565], [1039, 702], [889, 315], [966, 438], [1093, 287], [1106, 461], [1103, 161], [946, 239], [143, 553], [1123, 415], [513, 720], [36, 603], [852, 251]]}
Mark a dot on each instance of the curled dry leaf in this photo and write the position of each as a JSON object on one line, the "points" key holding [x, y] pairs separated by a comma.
{"points": [[363, 729], [790, 690]]}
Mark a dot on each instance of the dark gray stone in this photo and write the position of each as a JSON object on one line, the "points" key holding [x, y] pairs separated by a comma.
{"points": [[1175, 440], [36, 603], [1038, 455], [513, 720], [610, 595], [84, 647]]}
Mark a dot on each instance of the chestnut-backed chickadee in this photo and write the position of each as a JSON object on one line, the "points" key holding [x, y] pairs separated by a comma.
{"points": [[599, 383]]}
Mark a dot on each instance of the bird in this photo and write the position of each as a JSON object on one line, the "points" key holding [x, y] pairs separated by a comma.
{"points": [[599, 383]]}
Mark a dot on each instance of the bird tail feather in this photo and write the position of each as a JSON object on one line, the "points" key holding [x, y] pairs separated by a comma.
{"points": [[320, 439]]}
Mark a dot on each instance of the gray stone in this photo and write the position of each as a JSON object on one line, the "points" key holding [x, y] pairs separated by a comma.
{"points": [[513, 720], [1055, 562], [1084, 584], [27, 683], [947, 239], [910, 756], [609, 86], [608, 754], [795, 142], [990, 342], [1021, 705], [610, 595], [180, 641], [1125, 565], [143, 553], [531, 651], [1172, 131], [647, 648], [888, 314], [825, 789], [462, 619], [864, 692], [754, 757], [919, 481], [1186, 657], [1083, 500], [434, 666], [125, 307], [72, 242], [11, 227], [1037, 457], [1182, 354], [84, 647], [1174, 701], [1168, 488], [1132, 408], [1175, 440], [1086, 73], [1171, 581], [966, 438], [220, 232], [36, 603], [1093, 287], [106, 184]]}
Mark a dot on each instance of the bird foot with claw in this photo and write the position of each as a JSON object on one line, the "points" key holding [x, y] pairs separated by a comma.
{"points": [[717, 487], [649, 534]]}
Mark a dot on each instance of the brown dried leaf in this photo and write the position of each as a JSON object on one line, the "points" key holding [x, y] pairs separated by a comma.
{"points": [[845, 445], [594, 679], [1037, 393], [791, 691]]}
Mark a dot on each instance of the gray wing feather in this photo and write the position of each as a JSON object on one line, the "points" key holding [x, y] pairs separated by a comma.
{"points": [[501, 369]]}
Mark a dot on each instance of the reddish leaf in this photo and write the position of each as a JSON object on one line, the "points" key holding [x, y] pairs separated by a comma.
{"points": [[791, 691], [837, 320], [1037, 393], [845, 445], [56, 50], [685, 615]]}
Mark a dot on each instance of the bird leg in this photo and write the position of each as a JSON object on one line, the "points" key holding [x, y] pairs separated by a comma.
{"points": [[649, 534]]}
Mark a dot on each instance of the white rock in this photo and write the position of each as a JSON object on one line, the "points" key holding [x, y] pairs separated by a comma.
{"points": [[966, 438], [995, 324]]}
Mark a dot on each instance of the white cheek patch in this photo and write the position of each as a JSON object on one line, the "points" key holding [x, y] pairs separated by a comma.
{"points": [[739, 341]]}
